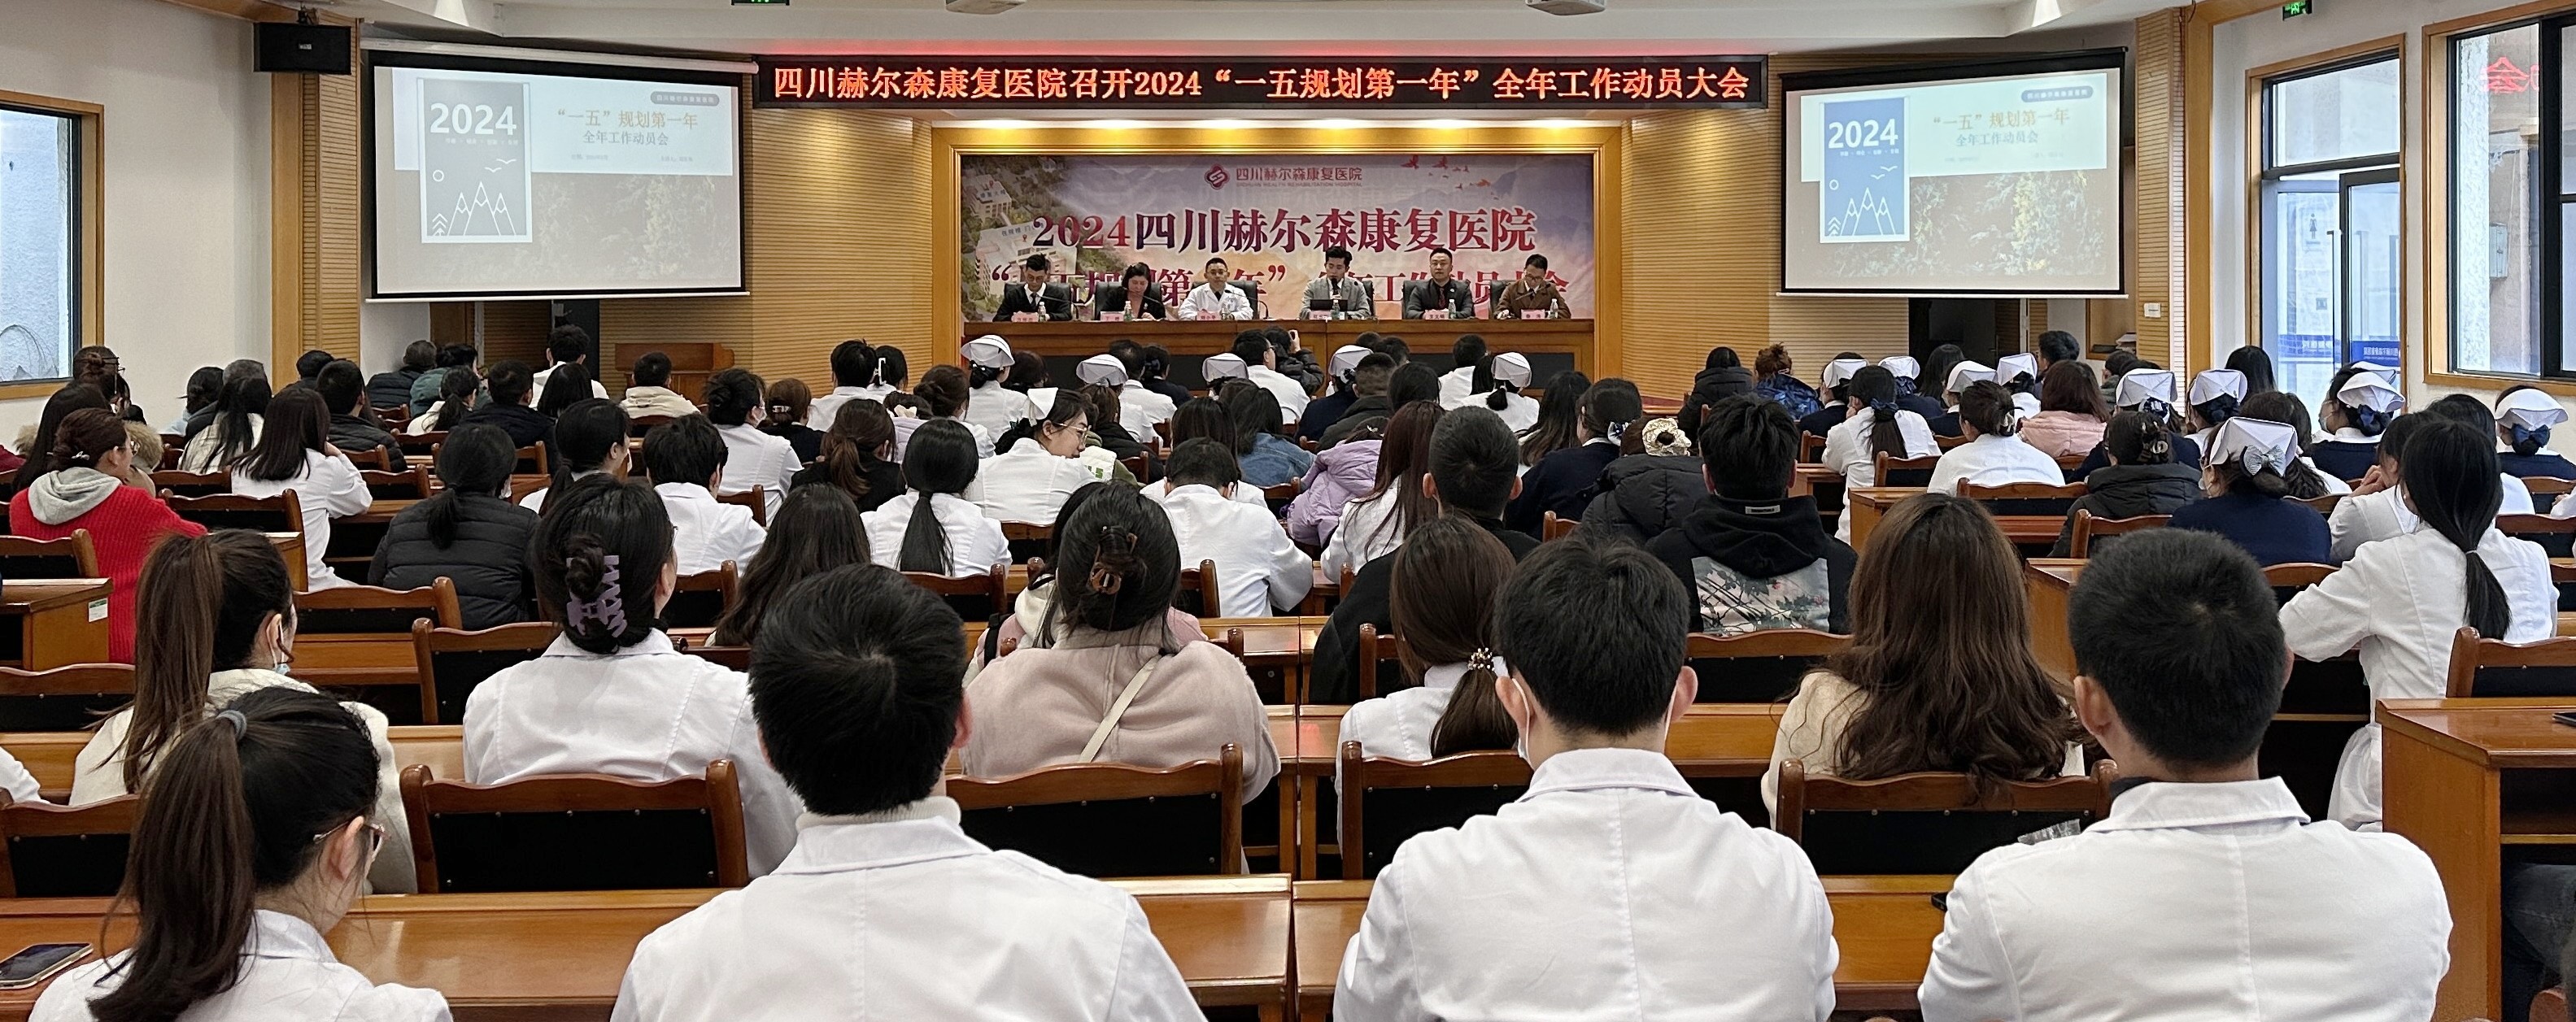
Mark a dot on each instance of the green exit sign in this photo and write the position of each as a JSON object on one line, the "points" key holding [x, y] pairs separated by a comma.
{"points": [[2289, 10]]}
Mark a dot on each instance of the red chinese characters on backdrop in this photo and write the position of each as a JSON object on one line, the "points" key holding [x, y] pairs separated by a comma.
{"points": [[1514, 229], [1242, 82]]}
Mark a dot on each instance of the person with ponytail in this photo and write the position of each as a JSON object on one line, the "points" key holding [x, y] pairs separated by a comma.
{"points": [[612, 695], [1042, 463], [223, 626], [2524, 415], [1446, 580], [589, 440], [1112, 681], [1563, 482], [685, 460], [1874, 425], [737, 404], [240, 408], [86, 489], [295, 453], [1322, 412], [2360, 403], [888, 910], [945, 394], [888, 374], [857, 456], [468, 532], [2246, 496], [1834, 403], [1995, 453], [2399, 600], [992, 407], [2139, 476], [565, 384], [1496, 384], [252, 845], [935, 529], [456, 396]]}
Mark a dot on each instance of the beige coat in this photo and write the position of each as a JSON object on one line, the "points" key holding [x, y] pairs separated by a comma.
{"points": [[1811, 732], [1038, 707]]}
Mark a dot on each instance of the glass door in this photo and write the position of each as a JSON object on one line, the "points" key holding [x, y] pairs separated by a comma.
{"points": [[2302, 289], [2373, 267]]}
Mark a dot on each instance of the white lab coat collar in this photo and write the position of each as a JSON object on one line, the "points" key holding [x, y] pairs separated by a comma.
{"points": [[653, 643], [276, 935], [1596, 769], [919, 831], [2164, 805], [2350, 435]]}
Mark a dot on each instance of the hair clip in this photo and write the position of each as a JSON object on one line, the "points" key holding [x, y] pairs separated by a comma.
{"points": [[1481, 660], [608, 608]]}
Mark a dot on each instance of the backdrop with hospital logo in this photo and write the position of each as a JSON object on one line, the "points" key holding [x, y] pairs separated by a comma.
{"points": [[1272, 216]]}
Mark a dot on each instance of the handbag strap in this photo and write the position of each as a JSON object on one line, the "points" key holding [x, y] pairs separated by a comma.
{"points": [[1117, 710]]}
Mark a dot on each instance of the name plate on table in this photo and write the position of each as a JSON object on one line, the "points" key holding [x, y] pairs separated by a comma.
{"points": [[1113, 317], [1435, 314], [1319, 314], [1027, 317]]}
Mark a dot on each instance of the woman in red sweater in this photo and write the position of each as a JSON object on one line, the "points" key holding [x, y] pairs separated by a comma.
{"points": [[85, 490]]}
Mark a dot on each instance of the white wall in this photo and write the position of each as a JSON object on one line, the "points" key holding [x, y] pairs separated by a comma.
{"points": [[186, 179], [2266, 39]]}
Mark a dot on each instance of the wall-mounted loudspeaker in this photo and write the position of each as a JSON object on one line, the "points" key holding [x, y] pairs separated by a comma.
{"points": [[308, 49]]}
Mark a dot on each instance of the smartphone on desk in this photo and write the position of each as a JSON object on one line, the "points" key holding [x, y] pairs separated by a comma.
{"points": [[36, 963], [2565, 717]]}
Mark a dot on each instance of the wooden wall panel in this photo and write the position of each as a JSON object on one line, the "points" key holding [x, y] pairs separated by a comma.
{"points": [[314, 214], [2163, 133]]}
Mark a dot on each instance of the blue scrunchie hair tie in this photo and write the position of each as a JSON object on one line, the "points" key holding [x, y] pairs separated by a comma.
{"points": [[2370, 420], [1883, 409], [1905, 386], [2523, 436]]}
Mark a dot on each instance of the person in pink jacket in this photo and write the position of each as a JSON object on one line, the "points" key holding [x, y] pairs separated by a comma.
{"points": [[2071, 413], [1341, 474]]}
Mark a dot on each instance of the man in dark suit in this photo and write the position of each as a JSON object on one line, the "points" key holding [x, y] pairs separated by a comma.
{"points": [[1442, 291], [1135, 296], [1035, 294]]}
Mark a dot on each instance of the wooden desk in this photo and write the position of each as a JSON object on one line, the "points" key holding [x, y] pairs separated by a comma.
{"points": [[1200, 338], [49, 755], [561, 955], [378, 514], [2050, 582], [356, 660], [290, 546], [54, 623], [1867, 504], [2463, 778], [1883, 925]]}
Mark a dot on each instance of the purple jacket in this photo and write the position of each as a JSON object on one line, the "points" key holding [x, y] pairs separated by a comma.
{"points": [[1341, 474]]}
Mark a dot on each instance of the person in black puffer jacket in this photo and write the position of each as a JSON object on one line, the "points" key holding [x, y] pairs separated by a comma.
{"points": [[1649, 489], [1753, 557], [1724, 377], [469, 533], [2141, 480]]}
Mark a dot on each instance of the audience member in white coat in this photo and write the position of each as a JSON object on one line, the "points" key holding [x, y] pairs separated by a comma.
{"points": [[2206, 893], [294, 452], [2019, 375], [651, 393], [933, 528], [1446, 580], [1993, 455], [2377, 508], [1261, 365], [945, 395], [752, 458], [1874, 426], [856, 373], [2215, 397], [1041, 464], [301, 777], [886, 911], [1139, 408], [1497, 385], [612, 695], [2399, 600], [1258, 570], [1466, 355], [992, 407], [589, 439], [685, 458], [1710, 918]]}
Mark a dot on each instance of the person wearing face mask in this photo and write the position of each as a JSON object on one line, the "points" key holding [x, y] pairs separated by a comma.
{"points": [[251, 845], [223, 626]]}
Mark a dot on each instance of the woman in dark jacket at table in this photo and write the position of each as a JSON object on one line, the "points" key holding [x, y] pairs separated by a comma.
{"points": [[1563, 482], [1655, 484], [2142, 478], [469, 532]]}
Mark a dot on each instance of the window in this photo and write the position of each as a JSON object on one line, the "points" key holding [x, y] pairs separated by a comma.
{"points": [[40, 230], [2332, 262], [2497, 264]]}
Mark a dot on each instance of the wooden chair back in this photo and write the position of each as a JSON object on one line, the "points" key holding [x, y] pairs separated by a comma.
{"points": [[2287, 580], [576, 832], [452, 661], [1811, 448], [532, 460], [1114, 820], [63, 699], [1198, 591], [2025, 498], [173, 447], [192, 484], [51, 851], [1387, 801], [755, 498], [1277, 497], [1926, 822], [2546, 491], [1376, 651], [2482, 668], [1950, 443], [409, 484], [420, 443], [2089, 530], [1894, 471], [1552, 527], [73, 556], [371, 459], [281, 513], [698, 600], [2324, 505], [976, 597], [2555, 535], [1140, 466], [1758, 667], [373, 610], [1028, 539], [642, 424]]}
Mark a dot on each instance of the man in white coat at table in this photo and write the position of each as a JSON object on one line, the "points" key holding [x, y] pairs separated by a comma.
{"points": [[1610, 890], [2206, 893], [886, 911], [1216, 297]]}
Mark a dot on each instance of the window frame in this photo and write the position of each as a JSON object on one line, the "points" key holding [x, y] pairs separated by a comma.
{"points": [[2265, 177], [87, 227]]}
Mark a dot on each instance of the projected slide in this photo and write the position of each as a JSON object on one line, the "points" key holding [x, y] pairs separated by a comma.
{"points": [[2006, 185], [489, 182]]}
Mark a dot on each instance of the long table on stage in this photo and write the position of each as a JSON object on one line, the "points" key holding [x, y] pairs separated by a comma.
{"points": [[1552, 344]]}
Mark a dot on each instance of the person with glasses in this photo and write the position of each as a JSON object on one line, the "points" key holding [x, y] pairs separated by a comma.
{"points": [[251, 846]]}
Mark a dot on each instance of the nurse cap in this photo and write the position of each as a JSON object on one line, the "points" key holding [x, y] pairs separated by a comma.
{"points": [[2217, 383], [2138, 386], [1224, 365], [1965, 373], [1346, 359], [2370, 390], [1901, 365], [1512, 367], [2256, 444], [1102, 370], [1839, 371], [2530, 409], [989, 351], [2014, 367]]}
